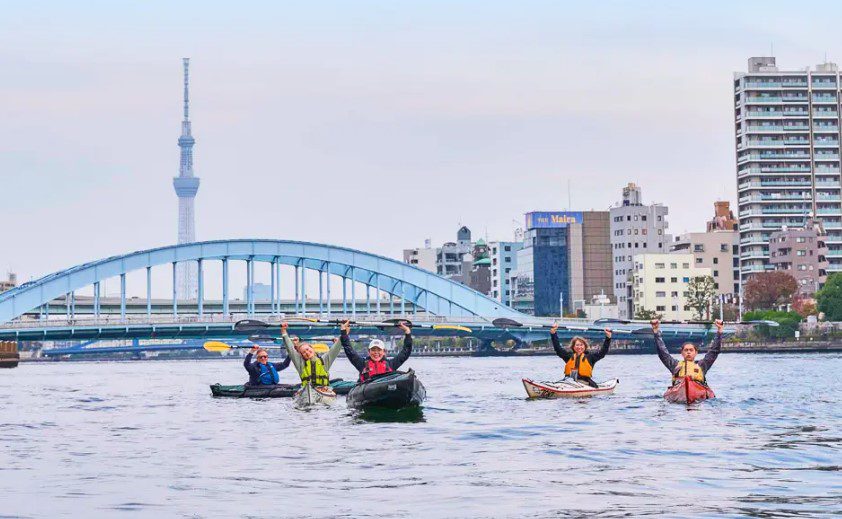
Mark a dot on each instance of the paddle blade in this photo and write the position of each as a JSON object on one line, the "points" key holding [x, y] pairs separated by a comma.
{"points": [[397, 322], [262, 339], [503, 322], [250, 325], [452, 327], [320, 347], [216, 346]]}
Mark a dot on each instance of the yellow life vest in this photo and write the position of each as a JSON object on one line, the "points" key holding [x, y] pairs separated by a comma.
{"points": [[313, 372], [688, 368], [578, 362]]}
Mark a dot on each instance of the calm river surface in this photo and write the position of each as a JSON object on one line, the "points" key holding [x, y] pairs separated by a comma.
{"points": [[146, 439]]}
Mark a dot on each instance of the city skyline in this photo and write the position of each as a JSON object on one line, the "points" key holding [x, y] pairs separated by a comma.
{"points": [[442, 117]]}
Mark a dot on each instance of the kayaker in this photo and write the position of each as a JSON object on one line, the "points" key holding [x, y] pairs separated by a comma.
{"points": [[312, 368], [579, 363], [376, 362], [262, 372], [688, 367]]}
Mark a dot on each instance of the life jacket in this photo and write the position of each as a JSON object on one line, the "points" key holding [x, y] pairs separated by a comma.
{"points": [[313, 372], [374, 368], [268, 374], [688, 368], [580, 363]]}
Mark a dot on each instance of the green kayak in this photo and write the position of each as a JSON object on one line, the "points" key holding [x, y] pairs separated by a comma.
{"points": [[339, 386]]}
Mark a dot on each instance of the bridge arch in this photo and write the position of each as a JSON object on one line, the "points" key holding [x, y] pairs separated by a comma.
{"points": [[433, 293]]}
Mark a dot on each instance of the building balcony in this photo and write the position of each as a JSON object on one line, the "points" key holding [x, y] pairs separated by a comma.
{"points": [[826, 156], [824, 84], [827, 185], [764, 113], [824, 99], [825, 129], [761, 85], [825, 144], [749, 100], [825, 113]]}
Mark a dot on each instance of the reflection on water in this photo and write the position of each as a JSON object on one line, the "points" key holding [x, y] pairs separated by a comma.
{"points": [[94, 439]]}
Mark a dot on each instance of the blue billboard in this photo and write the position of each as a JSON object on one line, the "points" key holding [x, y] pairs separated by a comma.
{"points": [[552, 219]]}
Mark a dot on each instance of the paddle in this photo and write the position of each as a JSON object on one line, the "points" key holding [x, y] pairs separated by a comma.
{"points": [[218, 346], [707, 323], [504, 322]]}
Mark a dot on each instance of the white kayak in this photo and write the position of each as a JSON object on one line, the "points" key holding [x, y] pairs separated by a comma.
{"points": [[309, 395], [567, 388]]}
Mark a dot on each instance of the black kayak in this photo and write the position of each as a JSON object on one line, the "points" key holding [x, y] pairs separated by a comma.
{"points": [[394, 390], [340, 387]]}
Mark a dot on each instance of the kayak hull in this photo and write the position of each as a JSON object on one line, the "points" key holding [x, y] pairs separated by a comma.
{"points": [[339, 386], [309, 396], [567, 388], [395, 390], [688, 391]]}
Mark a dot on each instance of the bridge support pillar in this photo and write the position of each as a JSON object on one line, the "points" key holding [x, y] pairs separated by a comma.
{"points": [[200, 302], [96, 299], [327, 278], [303, 288], [353, 295], [174, 289], [149, 292], [122, 296], [225, 308], [296, 289], [250, 287]]}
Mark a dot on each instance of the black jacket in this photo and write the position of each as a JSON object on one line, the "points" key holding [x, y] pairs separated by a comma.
{"points": [[566, 354], [671, 364], [359, 361], [254, 370]]}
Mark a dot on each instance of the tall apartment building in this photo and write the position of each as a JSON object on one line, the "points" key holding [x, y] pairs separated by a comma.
{"points": [[10, 284], [503, 255], [787, 145], [565, 259], [635, 229], [660, 283]]}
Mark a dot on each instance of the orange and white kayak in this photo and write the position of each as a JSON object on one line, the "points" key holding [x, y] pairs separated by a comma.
{"points": [[567, 388], [688, 391]]}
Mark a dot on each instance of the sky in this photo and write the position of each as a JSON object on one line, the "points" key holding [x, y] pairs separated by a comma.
{"points": [[368, 124]]}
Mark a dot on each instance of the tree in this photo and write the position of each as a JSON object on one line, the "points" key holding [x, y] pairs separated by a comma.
{"points": [[830, 298], [769, 290], [700, 292], [647, 315], [804, 306], [788, 323]]}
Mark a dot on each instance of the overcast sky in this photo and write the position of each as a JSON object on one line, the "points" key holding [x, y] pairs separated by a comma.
{"points": [[368, 124]]}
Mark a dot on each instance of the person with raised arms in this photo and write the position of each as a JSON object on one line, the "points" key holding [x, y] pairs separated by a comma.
{"points": [[688, 367], [376, 362], [579, 363], [262, 372], [312, 368]]}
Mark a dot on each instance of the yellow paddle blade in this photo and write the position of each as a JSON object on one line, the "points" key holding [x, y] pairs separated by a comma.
{"points": [[308, 319], [320, 347], [452, 327], [216, 346]]}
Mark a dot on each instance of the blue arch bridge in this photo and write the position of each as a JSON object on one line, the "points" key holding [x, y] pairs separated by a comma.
{"points": [[373, 288]]}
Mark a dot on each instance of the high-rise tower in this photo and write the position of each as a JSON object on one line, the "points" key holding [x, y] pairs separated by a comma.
{"points": [[186, 186]]}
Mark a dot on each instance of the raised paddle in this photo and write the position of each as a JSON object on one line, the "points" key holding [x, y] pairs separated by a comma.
{"points": [[218, 346]]}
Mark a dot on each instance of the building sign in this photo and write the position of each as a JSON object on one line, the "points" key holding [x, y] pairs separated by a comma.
{"points": [[543, 219]]}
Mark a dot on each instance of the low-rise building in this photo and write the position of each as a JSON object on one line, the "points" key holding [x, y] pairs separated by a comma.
{"points": [[717, 250], [422, 258], [802, 253], [9, 284], [660, 283]]}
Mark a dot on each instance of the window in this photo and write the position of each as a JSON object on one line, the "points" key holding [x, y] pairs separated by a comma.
{"points": [[635, 232], [801, 253], [507, 248], [659, 280], [660, 308], [643, 217], [673, 294], [685, 265], [715, 261], [800, 239], [660, 294], [673, 265], [716, 286], [673, 280], [723, 247], [635, 218], [494, 262], [508, 259], [674, 308], [659, 265], [495, 283], [802, 267], [508, 269], [660, 232], [716, 273], [685, 280], [698, 261], [628, 218]]}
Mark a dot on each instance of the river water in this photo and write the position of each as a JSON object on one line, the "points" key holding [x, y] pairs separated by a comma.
{"points": [[146, 439]]}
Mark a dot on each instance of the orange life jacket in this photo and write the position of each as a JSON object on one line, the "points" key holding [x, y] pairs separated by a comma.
{"points": [[578, 362]]}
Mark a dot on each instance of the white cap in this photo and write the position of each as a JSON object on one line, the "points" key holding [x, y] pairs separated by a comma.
{"points": [[377, 343]]}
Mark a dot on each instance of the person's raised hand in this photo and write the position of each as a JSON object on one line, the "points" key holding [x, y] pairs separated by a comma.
{"points": [[656, 325], [719, 325], [254, 348], [406, 329], [345, 327], [553, 329], [284, 326], [608, 333]]}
